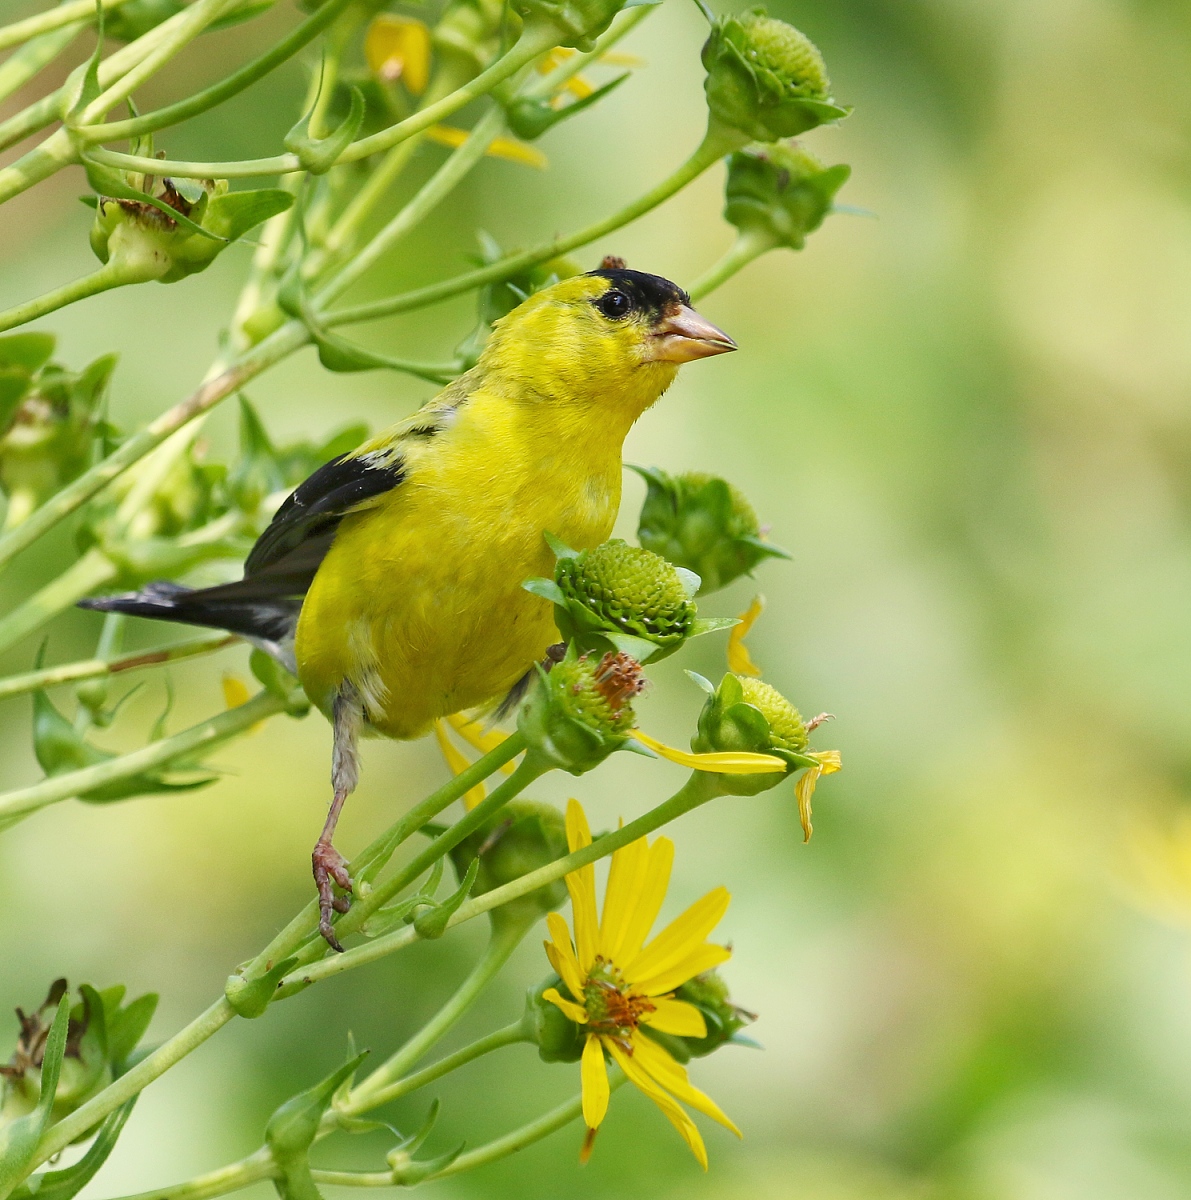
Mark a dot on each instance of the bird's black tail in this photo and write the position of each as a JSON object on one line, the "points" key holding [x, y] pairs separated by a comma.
{"points": [[267, 620]]}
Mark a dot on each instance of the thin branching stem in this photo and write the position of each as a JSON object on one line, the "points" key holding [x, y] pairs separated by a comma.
{"points": [[747, 247], [22, 66], [53, 19], [80, 579]]}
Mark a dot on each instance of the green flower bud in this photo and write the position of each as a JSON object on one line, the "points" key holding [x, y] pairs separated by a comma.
{"points": [[780, 192], [557, 1037], [166, 230], [703, 524], [522, 837], [746, 714], [724, 1020], [577, 23], [467, 33], [580, 711], [765, 78]]}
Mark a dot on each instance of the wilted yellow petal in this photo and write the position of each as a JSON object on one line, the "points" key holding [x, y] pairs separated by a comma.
{"points": [[507, 148], [235, 691], [739, 660], [479, 738], [829, 762], [458, 764], [735, 762], [399, 48]]}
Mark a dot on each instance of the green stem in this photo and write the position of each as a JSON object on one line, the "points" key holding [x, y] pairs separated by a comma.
{"points": [[508, 1036], [94, 668], [201, 738], [134, 1081], [22, 66], [40, 163], [714, 146], [194, 20], [748, 246], [208, 98], [82, 577], [54, 18], [273, 349], [548, 84], [502, 1147], [699, 789], [534, 41], [112, 274], [386, 1082], [216, 1183], [374, 856], [431, 194]]}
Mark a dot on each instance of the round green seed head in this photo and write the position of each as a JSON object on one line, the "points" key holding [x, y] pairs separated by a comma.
{"points": [[632, 589], [786, 730], [789, 54], [585, 694]]}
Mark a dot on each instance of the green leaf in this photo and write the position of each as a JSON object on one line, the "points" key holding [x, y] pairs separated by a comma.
{"points": [[89, 89], [27, 351], [292, 1127], [127, 1026], [530, 117], [250, 997], [233, 214], [111, 184], [62, 1185], [712, 624], [318, 155], [546, 588], [433, 924]]}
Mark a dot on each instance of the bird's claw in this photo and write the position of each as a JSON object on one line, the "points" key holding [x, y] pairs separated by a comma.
{"points": [[330, 867]]}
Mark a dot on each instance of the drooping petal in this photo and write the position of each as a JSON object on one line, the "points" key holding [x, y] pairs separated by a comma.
{"points": [[672, 1075], [721, 762], [594, 1076], [685, 934], [563, 959], [502, 147], [674, 1112], [576, 1012], [648, 901], [740, 662], [581, 885], [676, 1017], [458, 764], [479, 738], [703, 959], [626, 878], [804, 789]]}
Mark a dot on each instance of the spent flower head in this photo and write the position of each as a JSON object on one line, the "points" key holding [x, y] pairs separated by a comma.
{"points": [[765, 78], [780, 192], [616, 986], [702, 524]]}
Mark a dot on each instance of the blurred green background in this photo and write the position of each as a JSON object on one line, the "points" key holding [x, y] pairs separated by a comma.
{"points": [[969, 420]]}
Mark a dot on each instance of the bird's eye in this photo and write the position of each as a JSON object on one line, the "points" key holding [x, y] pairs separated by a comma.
{"points": [[614, 304]]}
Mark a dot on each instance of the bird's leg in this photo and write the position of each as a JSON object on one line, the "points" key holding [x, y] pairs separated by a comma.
{"points": [[329, 865]]}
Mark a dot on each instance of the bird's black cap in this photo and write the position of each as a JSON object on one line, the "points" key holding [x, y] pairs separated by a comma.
{"points": [[650, 294]]}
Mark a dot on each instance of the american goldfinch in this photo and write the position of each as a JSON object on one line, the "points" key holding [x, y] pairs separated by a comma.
{"points": [[390, 580]]}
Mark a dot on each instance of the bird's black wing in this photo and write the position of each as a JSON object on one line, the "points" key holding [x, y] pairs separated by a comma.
{"points": [[302, 529]]}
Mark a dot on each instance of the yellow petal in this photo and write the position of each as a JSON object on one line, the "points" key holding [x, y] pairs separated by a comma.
{"points": [[804, 789], [673, 1077], [648, 901], [676, 1017], [502, 147], [703, 959], [739, 762], [678, 1118], [235, 693], [626, 877], [581, 885], [576, 1012], [594, 1075], [563, 959], [458, 764], [479, 738], [684, 935], [578, 87], [399, 48], [553, 58], [739, 660], [617, 58]]}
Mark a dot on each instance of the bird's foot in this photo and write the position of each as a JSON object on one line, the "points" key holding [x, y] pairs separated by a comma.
{"points": [[330, 868]]}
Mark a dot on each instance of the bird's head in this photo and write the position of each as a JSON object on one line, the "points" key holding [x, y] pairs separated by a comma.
{"points": [[610, 340]]}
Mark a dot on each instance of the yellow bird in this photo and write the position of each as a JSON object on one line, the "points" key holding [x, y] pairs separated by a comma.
{"points": [[390, 580]]}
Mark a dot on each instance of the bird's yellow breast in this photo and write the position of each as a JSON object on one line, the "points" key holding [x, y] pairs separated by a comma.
{"points": [[419, 601]]}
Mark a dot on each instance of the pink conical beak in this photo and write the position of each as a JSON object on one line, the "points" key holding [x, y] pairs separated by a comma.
{"points": [[684, 336]]}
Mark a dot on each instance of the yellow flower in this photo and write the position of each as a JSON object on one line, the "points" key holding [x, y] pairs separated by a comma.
{"points": [[501, 147], [740, 662], [399, 48], [618, 985]]}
